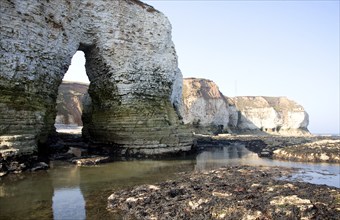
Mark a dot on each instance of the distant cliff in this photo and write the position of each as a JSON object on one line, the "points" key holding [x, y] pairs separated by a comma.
{"points": [[209, 111], [70, 103], [205, 107], [269, 114]]}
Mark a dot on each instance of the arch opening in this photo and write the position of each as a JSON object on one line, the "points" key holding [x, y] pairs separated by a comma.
{"points": [[71, 95]]}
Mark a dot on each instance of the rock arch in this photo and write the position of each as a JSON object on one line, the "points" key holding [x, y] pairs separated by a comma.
{"points": [[130, 61]]}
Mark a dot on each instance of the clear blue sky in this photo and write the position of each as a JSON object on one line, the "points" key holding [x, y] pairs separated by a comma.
{"points": [[262, 48]]}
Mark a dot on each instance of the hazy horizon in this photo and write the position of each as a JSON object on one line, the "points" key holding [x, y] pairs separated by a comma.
{"points": [[259, 48]]}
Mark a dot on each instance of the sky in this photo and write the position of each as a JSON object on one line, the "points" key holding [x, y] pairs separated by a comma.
{"points": [[259, 48]]}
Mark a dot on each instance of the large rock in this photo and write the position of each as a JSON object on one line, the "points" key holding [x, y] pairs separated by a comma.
{"points": [[130, 61]]}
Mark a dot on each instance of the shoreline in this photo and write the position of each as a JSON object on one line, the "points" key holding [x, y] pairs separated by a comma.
{"points": [[72, 148]]}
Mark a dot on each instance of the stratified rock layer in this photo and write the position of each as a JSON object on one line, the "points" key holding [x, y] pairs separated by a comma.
{"points": [[130, 61]]}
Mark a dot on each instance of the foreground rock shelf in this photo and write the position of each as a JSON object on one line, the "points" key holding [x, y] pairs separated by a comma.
{"points": [[235, 192]]}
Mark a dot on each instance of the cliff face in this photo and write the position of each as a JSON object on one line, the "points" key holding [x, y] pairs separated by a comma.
{"points": [[204, 106], [271, 115], [70, 103], [131, 63]]}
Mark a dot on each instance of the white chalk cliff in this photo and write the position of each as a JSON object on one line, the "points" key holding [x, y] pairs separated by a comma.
{"points": [[206, 107], [271, 115]]}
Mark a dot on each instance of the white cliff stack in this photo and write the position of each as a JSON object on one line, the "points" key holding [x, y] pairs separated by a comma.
{"points": [[204, 106]]}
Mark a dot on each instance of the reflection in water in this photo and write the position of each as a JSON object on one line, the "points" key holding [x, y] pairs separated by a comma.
{"points": [[235, 154], [68, 203], [316, 173], [68, 200], [26, 196], [81, 192]]}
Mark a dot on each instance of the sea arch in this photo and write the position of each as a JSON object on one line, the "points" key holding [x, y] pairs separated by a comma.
{"points": [[135, 83]]}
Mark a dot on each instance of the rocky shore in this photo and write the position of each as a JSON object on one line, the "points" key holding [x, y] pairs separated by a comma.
{"points": [[72, 148], [315, 151], [235, 192], [294, 148]]}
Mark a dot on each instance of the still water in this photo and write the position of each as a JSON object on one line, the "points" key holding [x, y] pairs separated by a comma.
{"points": [[69, 192]]}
